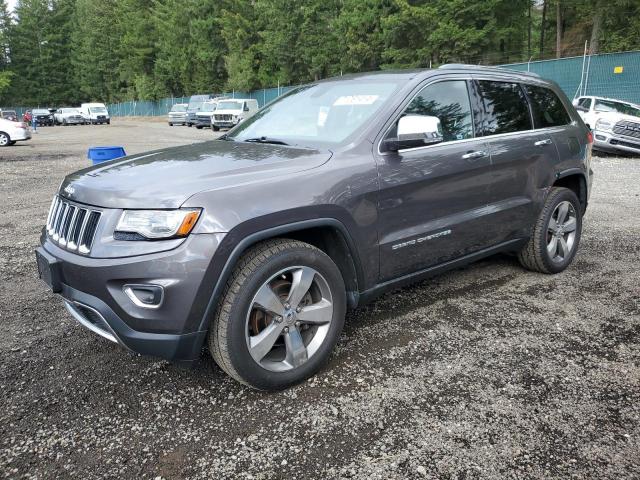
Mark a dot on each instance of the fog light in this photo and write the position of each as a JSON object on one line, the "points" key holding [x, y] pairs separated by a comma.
{"points": [[144, 296]]}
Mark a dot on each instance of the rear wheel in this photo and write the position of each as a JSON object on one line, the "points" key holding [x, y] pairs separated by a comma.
{"points": [[556, 233], [5, 140], [280, 316]]}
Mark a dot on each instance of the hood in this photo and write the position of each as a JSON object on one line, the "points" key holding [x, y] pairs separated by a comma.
{"points": [[167, 178], [229, 112], [616, 117], [205, 114]]}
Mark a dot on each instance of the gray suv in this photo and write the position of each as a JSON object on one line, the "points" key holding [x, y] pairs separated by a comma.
{"points": [[257, 243]]}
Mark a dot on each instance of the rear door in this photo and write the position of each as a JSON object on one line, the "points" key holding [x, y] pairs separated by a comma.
{"points": [[520, 157], [432, 199]]}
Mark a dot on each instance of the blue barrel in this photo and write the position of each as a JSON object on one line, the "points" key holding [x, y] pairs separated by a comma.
{"points": [[103, 154]]}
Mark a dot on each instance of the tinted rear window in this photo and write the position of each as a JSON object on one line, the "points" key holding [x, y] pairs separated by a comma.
{"points": [[548, 110], [505, 108]]}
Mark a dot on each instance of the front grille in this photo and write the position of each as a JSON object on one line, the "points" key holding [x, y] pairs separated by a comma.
{"points": [[223, 117], [627, 128], [72, 226]]}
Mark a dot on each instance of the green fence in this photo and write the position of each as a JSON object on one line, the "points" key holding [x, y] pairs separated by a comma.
{"points": [[614, 75]]}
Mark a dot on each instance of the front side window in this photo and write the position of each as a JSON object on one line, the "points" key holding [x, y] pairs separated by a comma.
{"points": [[449, 102], [209, 107], [618, 107], [548, 110], [505, 108]]}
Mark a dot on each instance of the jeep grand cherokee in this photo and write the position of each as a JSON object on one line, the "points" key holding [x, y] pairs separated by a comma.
{"points": [[340, 190]]}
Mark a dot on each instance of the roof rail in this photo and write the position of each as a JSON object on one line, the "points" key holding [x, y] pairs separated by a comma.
{"points": [[464, 66]]}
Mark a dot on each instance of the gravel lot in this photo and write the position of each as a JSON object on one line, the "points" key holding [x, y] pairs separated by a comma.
{"points": [[485, 372]]}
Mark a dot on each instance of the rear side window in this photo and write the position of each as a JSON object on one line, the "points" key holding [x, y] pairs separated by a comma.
{"points": [[505, 108], [548, 110]]}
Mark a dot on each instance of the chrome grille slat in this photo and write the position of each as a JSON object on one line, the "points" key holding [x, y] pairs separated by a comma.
{"points": [[627, 128], [72, 226]]}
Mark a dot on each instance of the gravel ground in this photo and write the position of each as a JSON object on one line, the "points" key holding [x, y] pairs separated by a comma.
{"points": [[485, 372]]}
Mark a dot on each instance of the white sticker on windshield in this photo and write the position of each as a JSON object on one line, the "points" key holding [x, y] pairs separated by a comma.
{"points": [[355, 100]]}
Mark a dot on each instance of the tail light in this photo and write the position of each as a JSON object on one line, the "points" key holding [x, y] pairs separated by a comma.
{"points": [[590, 137]]}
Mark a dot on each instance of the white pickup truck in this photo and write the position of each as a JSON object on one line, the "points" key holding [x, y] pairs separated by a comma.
{"points": [[615, 123]]}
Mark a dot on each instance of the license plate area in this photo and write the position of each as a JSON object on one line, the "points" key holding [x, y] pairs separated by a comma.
{"points": [[49, 270]]}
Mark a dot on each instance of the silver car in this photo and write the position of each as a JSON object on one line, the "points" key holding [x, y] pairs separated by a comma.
{"points": [[178, 114]]}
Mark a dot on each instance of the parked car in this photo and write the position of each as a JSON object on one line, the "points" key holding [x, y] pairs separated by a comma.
{"points": [[9, 115], [96, 113], [203, 117], [178, 114], [231, 112], [70, 116], [615, 123], [43, 117], [12, 132], [334, 193], [195, 105]]}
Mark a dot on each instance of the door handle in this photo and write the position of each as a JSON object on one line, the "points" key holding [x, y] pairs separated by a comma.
{"points": [[474, 155], [540, 143]]}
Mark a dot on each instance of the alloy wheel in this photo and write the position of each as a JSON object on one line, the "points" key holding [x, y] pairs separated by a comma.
{"points": [[289, 318], [4, 140], [561, 231]]}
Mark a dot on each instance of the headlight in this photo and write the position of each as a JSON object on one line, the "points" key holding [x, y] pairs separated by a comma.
{"points": [[603, 124], [155, 224]]}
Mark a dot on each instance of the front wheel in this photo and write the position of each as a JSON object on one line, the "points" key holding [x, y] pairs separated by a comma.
{"points": [[556, 233], [280, 315]]}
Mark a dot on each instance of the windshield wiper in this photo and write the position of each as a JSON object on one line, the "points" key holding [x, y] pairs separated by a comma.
{"points": [[227, 138], [273, 141]]}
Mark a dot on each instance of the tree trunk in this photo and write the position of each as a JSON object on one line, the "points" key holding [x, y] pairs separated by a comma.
{"points": [[558, 29], [542, 25], [529, 32], [594, 44]]}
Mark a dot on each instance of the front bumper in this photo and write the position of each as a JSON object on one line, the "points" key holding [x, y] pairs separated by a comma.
{"points": [[203, 121], [224, 123], [93, 292], [611, 142], [178, 120]]}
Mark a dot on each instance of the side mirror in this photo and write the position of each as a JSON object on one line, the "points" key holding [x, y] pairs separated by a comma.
{"points": [[415, 131], [246, 108]]}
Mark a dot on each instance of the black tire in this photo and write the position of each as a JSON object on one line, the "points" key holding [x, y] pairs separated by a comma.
{"points": [[535, 255], [215, 129], [227, 335], [170, 124], [199, 127], [5, 140], [64, 123]]}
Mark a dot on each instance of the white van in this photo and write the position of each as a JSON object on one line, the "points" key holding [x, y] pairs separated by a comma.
{"points": [[231, 112], [95, 113]]}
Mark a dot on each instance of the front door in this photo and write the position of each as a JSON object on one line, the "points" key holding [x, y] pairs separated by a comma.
{"points": [[433, 199]]}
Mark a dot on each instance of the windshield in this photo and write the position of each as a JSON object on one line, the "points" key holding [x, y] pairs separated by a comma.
{"points": [[229, 105], [208, 107], [619, 107], [195, 106], [321, 113], [98, 110], [41, 112], [179, 108]]}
